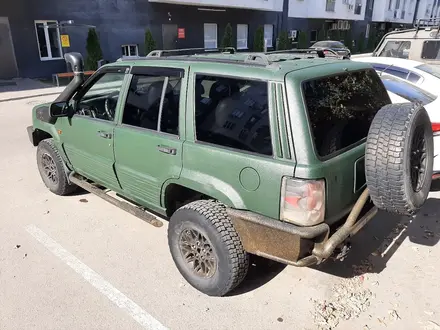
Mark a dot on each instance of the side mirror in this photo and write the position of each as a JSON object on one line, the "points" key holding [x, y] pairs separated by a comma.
{"points": [[59, 109]]}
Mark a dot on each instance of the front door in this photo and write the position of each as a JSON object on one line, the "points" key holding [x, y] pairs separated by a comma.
{"points": [[8, 65], [169, 36], [88, 136], [149, 136]]}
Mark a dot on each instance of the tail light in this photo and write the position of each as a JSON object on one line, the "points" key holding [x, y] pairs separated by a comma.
{"points": [[302, 201], [435, 128]]}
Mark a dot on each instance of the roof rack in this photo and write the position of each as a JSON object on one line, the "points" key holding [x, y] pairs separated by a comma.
{"points": [[190, 51], [427, 23]]}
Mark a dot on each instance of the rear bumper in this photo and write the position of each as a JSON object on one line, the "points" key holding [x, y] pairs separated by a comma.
{"points": [[294, 245]]}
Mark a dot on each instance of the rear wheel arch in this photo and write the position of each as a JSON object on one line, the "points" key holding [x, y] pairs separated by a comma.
{"points": [[192, 191]]}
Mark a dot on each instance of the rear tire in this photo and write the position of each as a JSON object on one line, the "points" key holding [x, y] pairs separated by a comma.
{"points": [[222, 263], [399, 158], [51, 168]]}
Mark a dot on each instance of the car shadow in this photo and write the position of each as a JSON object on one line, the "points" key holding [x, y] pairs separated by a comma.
{"points": [[373, 247], [261, 271]]}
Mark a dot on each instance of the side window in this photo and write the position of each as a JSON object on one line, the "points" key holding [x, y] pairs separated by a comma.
{"points": [[431, 50], [153, 99], [233, 113], [414, 78], [398, 72], [99, 100], [398, 49]]}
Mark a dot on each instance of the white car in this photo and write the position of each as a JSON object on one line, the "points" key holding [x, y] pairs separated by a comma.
{"points": [[400, 91], [425, 76]]}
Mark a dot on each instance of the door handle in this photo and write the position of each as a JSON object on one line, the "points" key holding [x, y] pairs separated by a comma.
{"points": [[105, 135], [167, 150]]}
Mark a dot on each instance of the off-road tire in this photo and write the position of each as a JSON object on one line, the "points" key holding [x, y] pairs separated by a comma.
{"points": [[211, 220], [62, 187], [388, 154]]}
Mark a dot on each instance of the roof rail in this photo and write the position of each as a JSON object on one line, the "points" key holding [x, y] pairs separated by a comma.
{"points": [[257, 57], [190, 51], [309, 52]]}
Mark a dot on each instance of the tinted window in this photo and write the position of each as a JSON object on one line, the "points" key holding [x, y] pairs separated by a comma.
{"points": [[145, 105], [398, 49], [431, 50], [398, 72], [413, 77], [435, 71], [99, 100], [342, 107], [233, 113], [407, 91], [390, 69], [329, 44]]}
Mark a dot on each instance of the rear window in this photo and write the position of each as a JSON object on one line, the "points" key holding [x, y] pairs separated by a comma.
{"points": [[329, 44], [407, 91], [341, 109]]}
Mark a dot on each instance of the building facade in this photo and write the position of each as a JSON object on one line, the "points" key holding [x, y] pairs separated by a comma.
{"points": [[33, 47], [33, 42]]}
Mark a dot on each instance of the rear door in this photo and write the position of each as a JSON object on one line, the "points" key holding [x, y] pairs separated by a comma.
{"points": [[149, 134], [233, 145]]}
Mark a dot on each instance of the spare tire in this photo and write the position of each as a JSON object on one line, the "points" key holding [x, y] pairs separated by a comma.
{"points": [[399, 158]]}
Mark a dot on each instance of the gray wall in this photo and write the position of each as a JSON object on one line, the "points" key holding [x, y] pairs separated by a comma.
{"points": [[117, 22]]}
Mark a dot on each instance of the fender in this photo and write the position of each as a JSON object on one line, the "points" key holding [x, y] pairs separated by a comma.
{"points": [[216, 188]]}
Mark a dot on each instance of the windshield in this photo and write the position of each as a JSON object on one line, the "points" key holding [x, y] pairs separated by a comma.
{"points": [[407, 91], [435, 71], [329, 44]]}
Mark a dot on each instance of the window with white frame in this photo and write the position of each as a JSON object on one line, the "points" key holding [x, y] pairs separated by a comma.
{"points": [[48, 39], [268, 34], [210, 35], [130, 50], [242, 36]]}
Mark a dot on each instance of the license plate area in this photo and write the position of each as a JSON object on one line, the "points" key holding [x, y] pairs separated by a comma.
{"points": [[359, 174]]}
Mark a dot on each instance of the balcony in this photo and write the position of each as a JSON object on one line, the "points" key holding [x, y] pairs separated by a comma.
{"points": [[266, 5]]}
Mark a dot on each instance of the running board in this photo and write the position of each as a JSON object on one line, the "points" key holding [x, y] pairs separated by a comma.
{"points": [[136, 211]]}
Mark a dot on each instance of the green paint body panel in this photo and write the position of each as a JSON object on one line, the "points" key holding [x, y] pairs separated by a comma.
{"points": [[131, 164]]}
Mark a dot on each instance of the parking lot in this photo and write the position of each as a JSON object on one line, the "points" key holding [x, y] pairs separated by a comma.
{"points": [[79, 262]]}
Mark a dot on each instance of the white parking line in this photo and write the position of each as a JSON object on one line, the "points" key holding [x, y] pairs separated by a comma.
{"points": [[136, 312]]}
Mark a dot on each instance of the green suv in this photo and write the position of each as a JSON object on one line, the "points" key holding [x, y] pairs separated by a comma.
{"points": [[284, 155]]}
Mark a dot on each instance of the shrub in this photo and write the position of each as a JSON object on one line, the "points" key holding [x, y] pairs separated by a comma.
{"points": [[150, 44], [259, 40], [227, 37], [94, 52]]}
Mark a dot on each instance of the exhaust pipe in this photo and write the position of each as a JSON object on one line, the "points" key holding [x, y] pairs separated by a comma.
{"points": [[76, 62]]}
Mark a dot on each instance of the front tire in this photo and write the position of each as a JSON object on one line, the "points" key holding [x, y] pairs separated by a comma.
{"points": [[51, 168], [206, 248]]}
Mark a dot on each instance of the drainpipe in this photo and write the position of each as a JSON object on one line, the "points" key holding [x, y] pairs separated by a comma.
{"points": [[285, 15], [416, 11]]}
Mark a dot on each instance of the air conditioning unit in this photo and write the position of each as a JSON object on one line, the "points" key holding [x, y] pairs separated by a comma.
{"points": [[293, 34]]}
